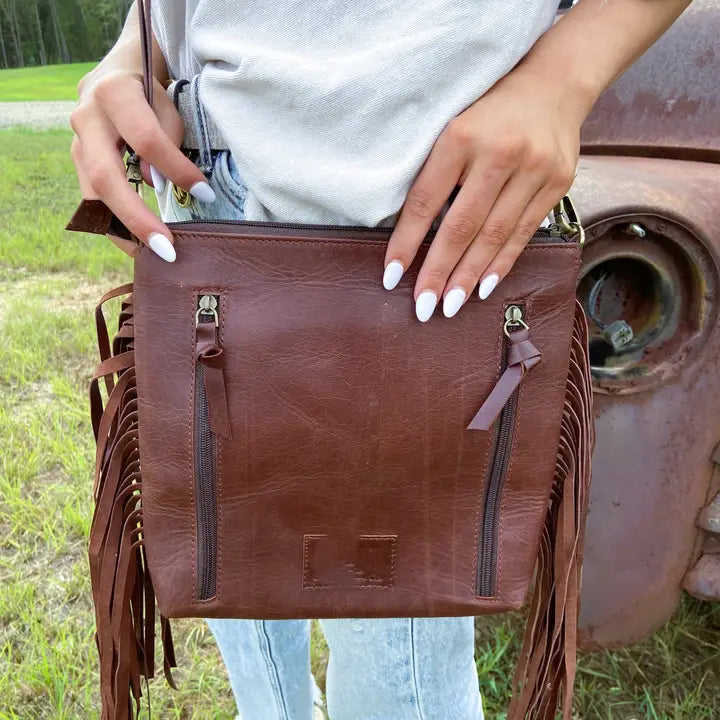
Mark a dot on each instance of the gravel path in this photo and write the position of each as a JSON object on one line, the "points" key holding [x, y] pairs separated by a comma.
{"points": [[36, 114]]}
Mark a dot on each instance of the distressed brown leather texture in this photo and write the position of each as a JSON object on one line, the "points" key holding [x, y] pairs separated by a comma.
{"points": [[351, 485]]}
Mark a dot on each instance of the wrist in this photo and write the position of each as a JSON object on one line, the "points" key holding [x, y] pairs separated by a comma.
{"points": [[572, 85]]}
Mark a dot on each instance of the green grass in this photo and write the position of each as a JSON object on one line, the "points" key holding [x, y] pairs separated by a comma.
{"points": [[40, 192], [49, 282], [673, 675], [49, 82]]}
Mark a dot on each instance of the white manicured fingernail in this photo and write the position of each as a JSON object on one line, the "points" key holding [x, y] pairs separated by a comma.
{"points": [[488, 285], [203, 192], [453, 302], [158, 179], [392, 275], [425, 305], [162, 247]]}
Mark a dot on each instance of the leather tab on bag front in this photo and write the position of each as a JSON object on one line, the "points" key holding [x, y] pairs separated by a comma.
{"points": [[94, 216]]}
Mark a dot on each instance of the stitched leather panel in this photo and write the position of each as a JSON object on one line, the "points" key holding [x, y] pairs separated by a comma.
{"points": [[347, 563], [348, 420]]}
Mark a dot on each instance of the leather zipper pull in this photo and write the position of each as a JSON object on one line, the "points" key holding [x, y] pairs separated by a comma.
{"points": [[522, 356], [210, 354]]}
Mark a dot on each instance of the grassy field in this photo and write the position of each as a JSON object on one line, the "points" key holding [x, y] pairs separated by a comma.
{"points": [[52, 82], [49, 282]]}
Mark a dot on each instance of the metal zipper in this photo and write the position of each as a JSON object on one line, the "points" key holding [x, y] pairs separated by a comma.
{"points": [[205, 468], [486, 584], [553, 232]]}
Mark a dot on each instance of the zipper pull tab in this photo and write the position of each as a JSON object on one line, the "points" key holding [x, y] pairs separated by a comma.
{"points": [[522, 356], [209, 353]]}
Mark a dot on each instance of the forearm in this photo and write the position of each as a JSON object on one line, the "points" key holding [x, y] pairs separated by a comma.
{"points": [[594, 43], [126, 55]]}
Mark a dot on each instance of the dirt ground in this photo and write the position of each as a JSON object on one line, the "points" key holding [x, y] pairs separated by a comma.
{"points": [[38, 115]]}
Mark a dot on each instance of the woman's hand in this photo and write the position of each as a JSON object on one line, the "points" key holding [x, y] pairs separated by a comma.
{"points": [[112, 113], [514, 153], [515, 150]]}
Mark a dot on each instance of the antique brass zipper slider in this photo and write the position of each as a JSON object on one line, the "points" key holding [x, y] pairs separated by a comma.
{"points": [[514, 319], [207, 308]]}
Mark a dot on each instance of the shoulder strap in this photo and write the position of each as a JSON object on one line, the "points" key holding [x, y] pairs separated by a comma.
{"points": [[146, 43]]}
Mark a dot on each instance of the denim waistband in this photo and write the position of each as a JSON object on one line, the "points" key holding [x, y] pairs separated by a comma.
{"points": [[201, 134]]}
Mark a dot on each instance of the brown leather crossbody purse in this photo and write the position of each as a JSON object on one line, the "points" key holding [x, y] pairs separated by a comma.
{"points": [[280, 438]]}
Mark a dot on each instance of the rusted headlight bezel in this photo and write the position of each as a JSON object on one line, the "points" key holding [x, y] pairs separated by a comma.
{"points": [[685, 281]]}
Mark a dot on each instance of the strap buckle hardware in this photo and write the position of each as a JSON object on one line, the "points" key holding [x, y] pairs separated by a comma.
{"points": [[568, 220]]}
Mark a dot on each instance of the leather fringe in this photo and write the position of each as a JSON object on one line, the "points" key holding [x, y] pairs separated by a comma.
{"points": [[544, 677], [122, 588]]}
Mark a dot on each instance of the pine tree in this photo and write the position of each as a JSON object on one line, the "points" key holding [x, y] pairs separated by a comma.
{"points": [[40, 32]]}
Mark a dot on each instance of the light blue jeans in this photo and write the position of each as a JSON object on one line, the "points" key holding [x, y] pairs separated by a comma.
{"points": [[379, 669]]}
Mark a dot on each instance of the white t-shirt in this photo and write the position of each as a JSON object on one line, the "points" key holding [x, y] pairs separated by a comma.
{"points": [[330, 107]]}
